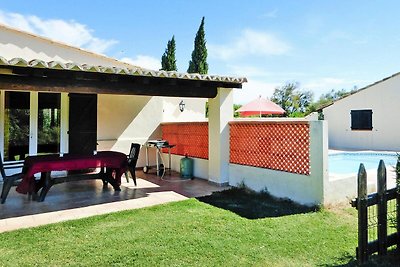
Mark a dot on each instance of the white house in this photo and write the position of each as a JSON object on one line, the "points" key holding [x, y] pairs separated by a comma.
{"points": [[367, 119], [59, 98]]}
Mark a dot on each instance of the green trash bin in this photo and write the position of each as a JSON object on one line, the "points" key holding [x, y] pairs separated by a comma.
{"points": [[187, 167]]}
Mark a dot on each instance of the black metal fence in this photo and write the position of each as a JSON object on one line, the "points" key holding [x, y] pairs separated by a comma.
{"points": [[378, 215]]}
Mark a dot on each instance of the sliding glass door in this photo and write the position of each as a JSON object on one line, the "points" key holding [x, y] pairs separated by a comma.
{"points": [[49, 119], [16, 125], [31, 124]]}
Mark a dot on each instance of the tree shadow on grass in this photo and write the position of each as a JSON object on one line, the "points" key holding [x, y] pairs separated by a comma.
{"points": [[392, 259], [253, 205]]}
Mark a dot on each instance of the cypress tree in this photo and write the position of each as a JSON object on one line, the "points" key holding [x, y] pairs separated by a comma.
{"points": [[199, 64], [168, 61]]}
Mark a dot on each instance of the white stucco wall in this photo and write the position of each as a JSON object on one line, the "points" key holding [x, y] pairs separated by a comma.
{"points": [[316, 188], [194, 109], [383, 99], [304, 189], [18, 44], [221, 112], [123, 120], [200, 166]]}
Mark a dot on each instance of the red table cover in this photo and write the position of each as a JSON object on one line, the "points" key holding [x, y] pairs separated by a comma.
{"points": [[45, 163]]}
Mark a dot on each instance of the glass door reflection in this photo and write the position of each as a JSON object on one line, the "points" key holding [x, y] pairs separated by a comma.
{"points": [[16, 125], [49, 114]]}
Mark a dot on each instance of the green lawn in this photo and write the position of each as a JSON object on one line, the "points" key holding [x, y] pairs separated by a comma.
{"points": [[187, 233]]}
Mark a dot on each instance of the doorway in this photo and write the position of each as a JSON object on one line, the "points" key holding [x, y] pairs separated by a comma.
{"points": [[30, 123], [49, 122], [82, 124], [16, 125]]}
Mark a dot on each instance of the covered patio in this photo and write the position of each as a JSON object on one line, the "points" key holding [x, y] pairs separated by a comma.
{"points": [[60, 99], [81, 199], [74, 200], [96, 103]]}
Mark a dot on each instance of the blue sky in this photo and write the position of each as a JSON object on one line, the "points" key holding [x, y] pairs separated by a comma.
{"points": [[322, 45]]}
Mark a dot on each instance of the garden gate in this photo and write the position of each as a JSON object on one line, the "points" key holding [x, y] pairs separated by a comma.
{"points": [[378, 214]]}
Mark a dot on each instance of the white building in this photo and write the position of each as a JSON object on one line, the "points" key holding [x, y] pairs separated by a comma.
{"points": [[93, 102], [57, 98], [367, 119]]}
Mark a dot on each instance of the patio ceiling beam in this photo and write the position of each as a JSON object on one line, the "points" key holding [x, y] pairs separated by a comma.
{"points": [[78, 82]]}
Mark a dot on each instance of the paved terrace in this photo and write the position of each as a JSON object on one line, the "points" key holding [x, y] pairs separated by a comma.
{"points": [[74, 200]]}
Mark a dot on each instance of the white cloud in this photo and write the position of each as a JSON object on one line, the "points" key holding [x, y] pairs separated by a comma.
{"points": [[260, 72], [69, 32], [144, 62], [250, 42], [252, 89], [247, 71], [325, 84]]}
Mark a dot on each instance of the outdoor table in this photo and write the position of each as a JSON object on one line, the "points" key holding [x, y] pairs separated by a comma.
{"points": [[112, 165]]}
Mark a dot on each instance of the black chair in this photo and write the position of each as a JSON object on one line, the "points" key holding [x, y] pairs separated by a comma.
{"points": [[10, 180], [132, 160]]}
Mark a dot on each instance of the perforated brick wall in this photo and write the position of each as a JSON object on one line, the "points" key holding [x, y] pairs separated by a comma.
{"points": [[283, 146], [190, 138]]}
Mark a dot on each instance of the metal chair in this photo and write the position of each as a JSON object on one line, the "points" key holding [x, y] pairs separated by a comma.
{"points": [[9, 180], [132, 160]]}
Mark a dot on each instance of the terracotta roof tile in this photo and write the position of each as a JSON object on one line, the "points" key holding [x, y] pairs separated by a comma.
{"points": [[134, 71]]}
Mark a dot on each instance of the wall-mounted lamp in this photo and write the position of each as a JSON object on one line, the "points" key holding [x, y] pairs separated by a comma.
{"points": [[181, 106]]}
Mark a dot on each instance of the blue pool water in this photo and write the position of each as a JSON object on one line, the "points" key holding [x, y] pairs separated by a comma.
{"points": [[345, 163]]}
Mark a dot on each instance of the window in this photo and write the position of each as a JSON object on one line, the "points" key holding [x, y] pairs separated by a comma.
{"points": [[49, 114], [361, 119], [16, 125], [31, 124]]}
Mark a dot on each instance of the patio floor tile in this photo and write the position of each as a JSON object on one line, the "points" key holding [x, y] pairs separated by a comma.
{"points": [[81, 199]]}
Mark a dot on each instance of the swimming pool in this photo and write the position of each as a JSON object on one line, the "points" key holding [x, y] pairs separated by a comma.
{"points": [[349, 162]]}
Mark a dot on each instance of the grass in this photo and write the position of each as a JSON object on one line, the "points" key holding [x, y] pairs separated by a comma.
{"points": [[190, 233]]}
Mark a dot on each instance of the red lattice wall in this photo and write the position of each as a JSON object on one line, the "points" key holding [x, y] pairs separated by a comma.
{"points": [[283, 146], [190, 138]]}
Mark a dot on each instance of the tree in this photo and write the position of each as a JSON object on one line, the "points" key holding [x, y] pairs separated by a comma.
{"points": [[333, 95], [236, 107], [328, 98], [283, 96], [168, 61], [294, 101], [199, 64]]}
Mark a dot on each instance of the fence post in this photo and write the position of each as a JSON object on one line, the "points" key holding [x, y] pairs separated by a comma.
{"points": [[362, 207], [398, 202], [382, 209]]}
